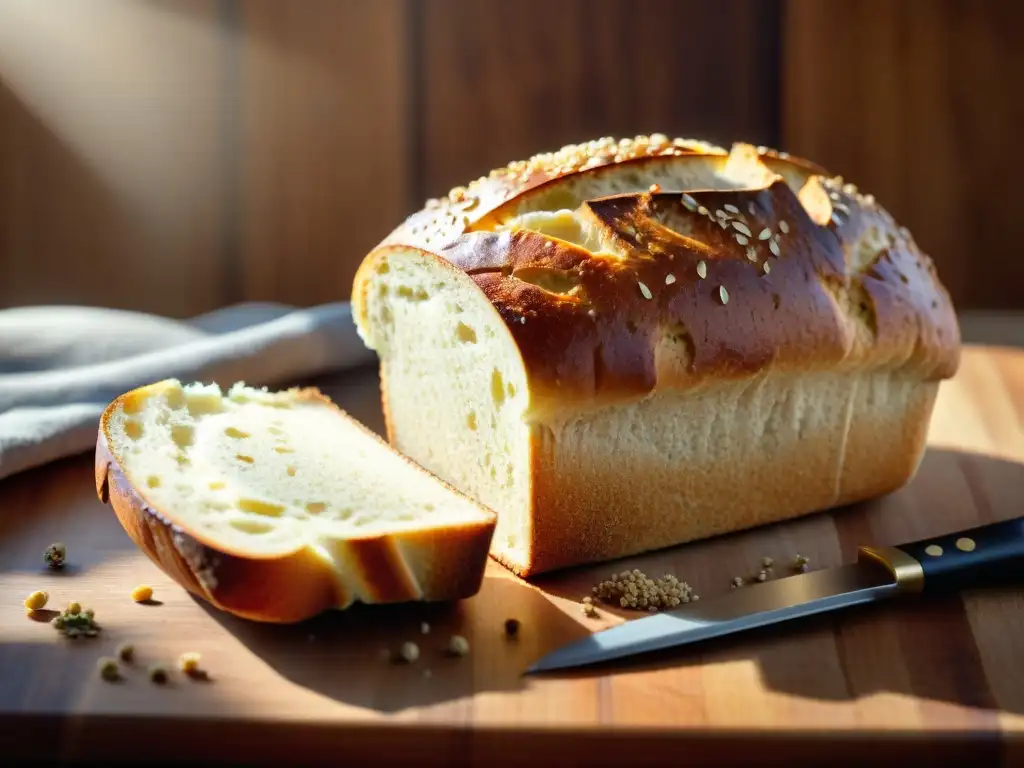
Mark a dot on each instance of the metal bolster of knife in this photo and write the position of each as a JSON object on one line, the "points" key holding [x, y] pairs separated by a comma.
{"points": [[905, 569]]}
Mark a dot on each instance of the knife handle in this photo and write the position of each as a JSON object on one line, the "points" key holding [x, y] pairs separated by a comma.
{"points": [[984, 556]]}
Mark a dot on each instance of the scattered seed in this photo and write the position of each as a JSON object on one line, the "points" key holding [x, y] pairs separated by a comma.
{"points": [[669, 279], [835, 219], [511, 627], [764, 234], [762, 575], [773, 246], [689, 203], [36, 600], [633, 589], [723, 294], [409, 652], [702, 269], [767, 562], [737, 581], [702, 211], [142, 593], [55, 556], [751, 253], [767, 267], [157, 674], [731, 208], [644, 290], [800, 563], [424, 628], [126, 652], [741, 239], [189, 663], [739, 226], [108, 669], [784, 227], [458, 645]]}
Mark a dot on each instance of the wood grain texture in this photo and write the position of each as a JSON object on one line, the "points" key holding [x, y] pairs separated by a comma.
{"points": [[909, 101], [323, 149], [502, 80], [110, 134], [935, 680]]}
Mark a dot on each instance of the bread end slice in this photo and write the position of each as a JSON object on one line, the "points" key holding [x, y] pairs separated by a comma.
{"points": [[276, 507]]}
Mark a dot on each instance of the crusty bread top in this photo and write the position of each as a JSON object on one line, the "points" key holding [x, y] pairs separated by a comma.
{"points": [[621, 267]]}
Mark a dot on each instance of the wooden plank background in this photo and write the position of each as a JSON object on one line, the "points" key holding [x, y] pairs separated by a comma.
{"points": [[174, 156]]}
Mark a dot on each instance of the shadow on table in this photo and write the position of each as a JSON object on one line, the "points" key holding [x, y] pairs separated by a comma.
{"points": [[349, 655], [953, 648]]}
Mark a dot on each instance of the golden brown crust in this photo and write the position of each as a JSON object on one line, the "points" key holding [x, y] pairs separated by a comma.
{"points": [[437, 564], [767, 269], [837, 283]]}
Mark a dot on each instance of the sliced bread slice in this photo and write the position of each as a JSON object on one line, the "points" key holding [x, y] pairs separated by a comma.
{"points": [[276, 506]]}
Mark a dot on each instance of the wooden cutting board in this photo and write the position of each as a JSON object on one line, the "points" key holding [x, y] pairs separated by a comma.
{"points": [[935, 679]]}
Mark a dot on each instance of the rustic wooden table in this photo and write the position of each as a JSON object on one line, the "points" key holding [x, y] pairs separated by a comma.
{"points": [[931, 679]]}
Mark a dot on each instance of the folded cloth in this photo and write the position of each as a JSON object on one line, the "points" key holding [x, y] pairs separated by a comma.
{"points": [[61, 366]]}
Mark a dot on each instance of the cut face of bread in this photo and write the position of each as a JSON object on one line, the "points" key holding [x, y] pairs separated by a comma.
{"points": [[456, 386], [285, 485]]}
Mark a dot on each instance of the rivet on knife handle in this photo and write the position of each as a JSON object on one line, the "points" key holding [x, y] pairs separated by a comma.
{"points": [[987, 555]]}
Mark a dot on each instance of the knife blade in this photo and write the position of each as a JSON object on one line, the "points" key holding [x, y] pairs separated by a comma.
{"points": [[981, 556]]}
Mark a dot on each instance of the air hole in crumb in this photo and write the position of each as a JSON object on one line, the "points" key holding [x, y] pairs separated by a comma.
{"points": [[497, 388], [182, 435], [153, 481], [465, 333], [382, 267], [246, 459], [291, 471], [182, 459], [509, 475], [175, 398], [275, 431], [494, 473], [216, 485], [133, 404], [316, 507], [132, 429], [471, 420], [251, 526], [487, 459], [429, 507], [257, 507], [185, 490], [413, 294], [236, 433], [511, 389], [283, 449]]}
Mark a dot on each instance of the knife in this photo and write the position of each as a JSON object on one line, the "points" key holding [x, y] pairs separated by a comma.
{"points": [[983, 556]]}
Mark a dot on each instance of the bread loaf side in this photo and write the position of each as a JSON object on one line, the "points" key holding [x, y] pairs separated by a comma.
{"points": [[629, 345]]}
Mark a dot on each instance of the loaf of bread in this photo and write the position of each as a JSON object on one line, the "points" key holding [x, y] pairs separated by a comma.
{"points": [[623, 346], [278, 506]]}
